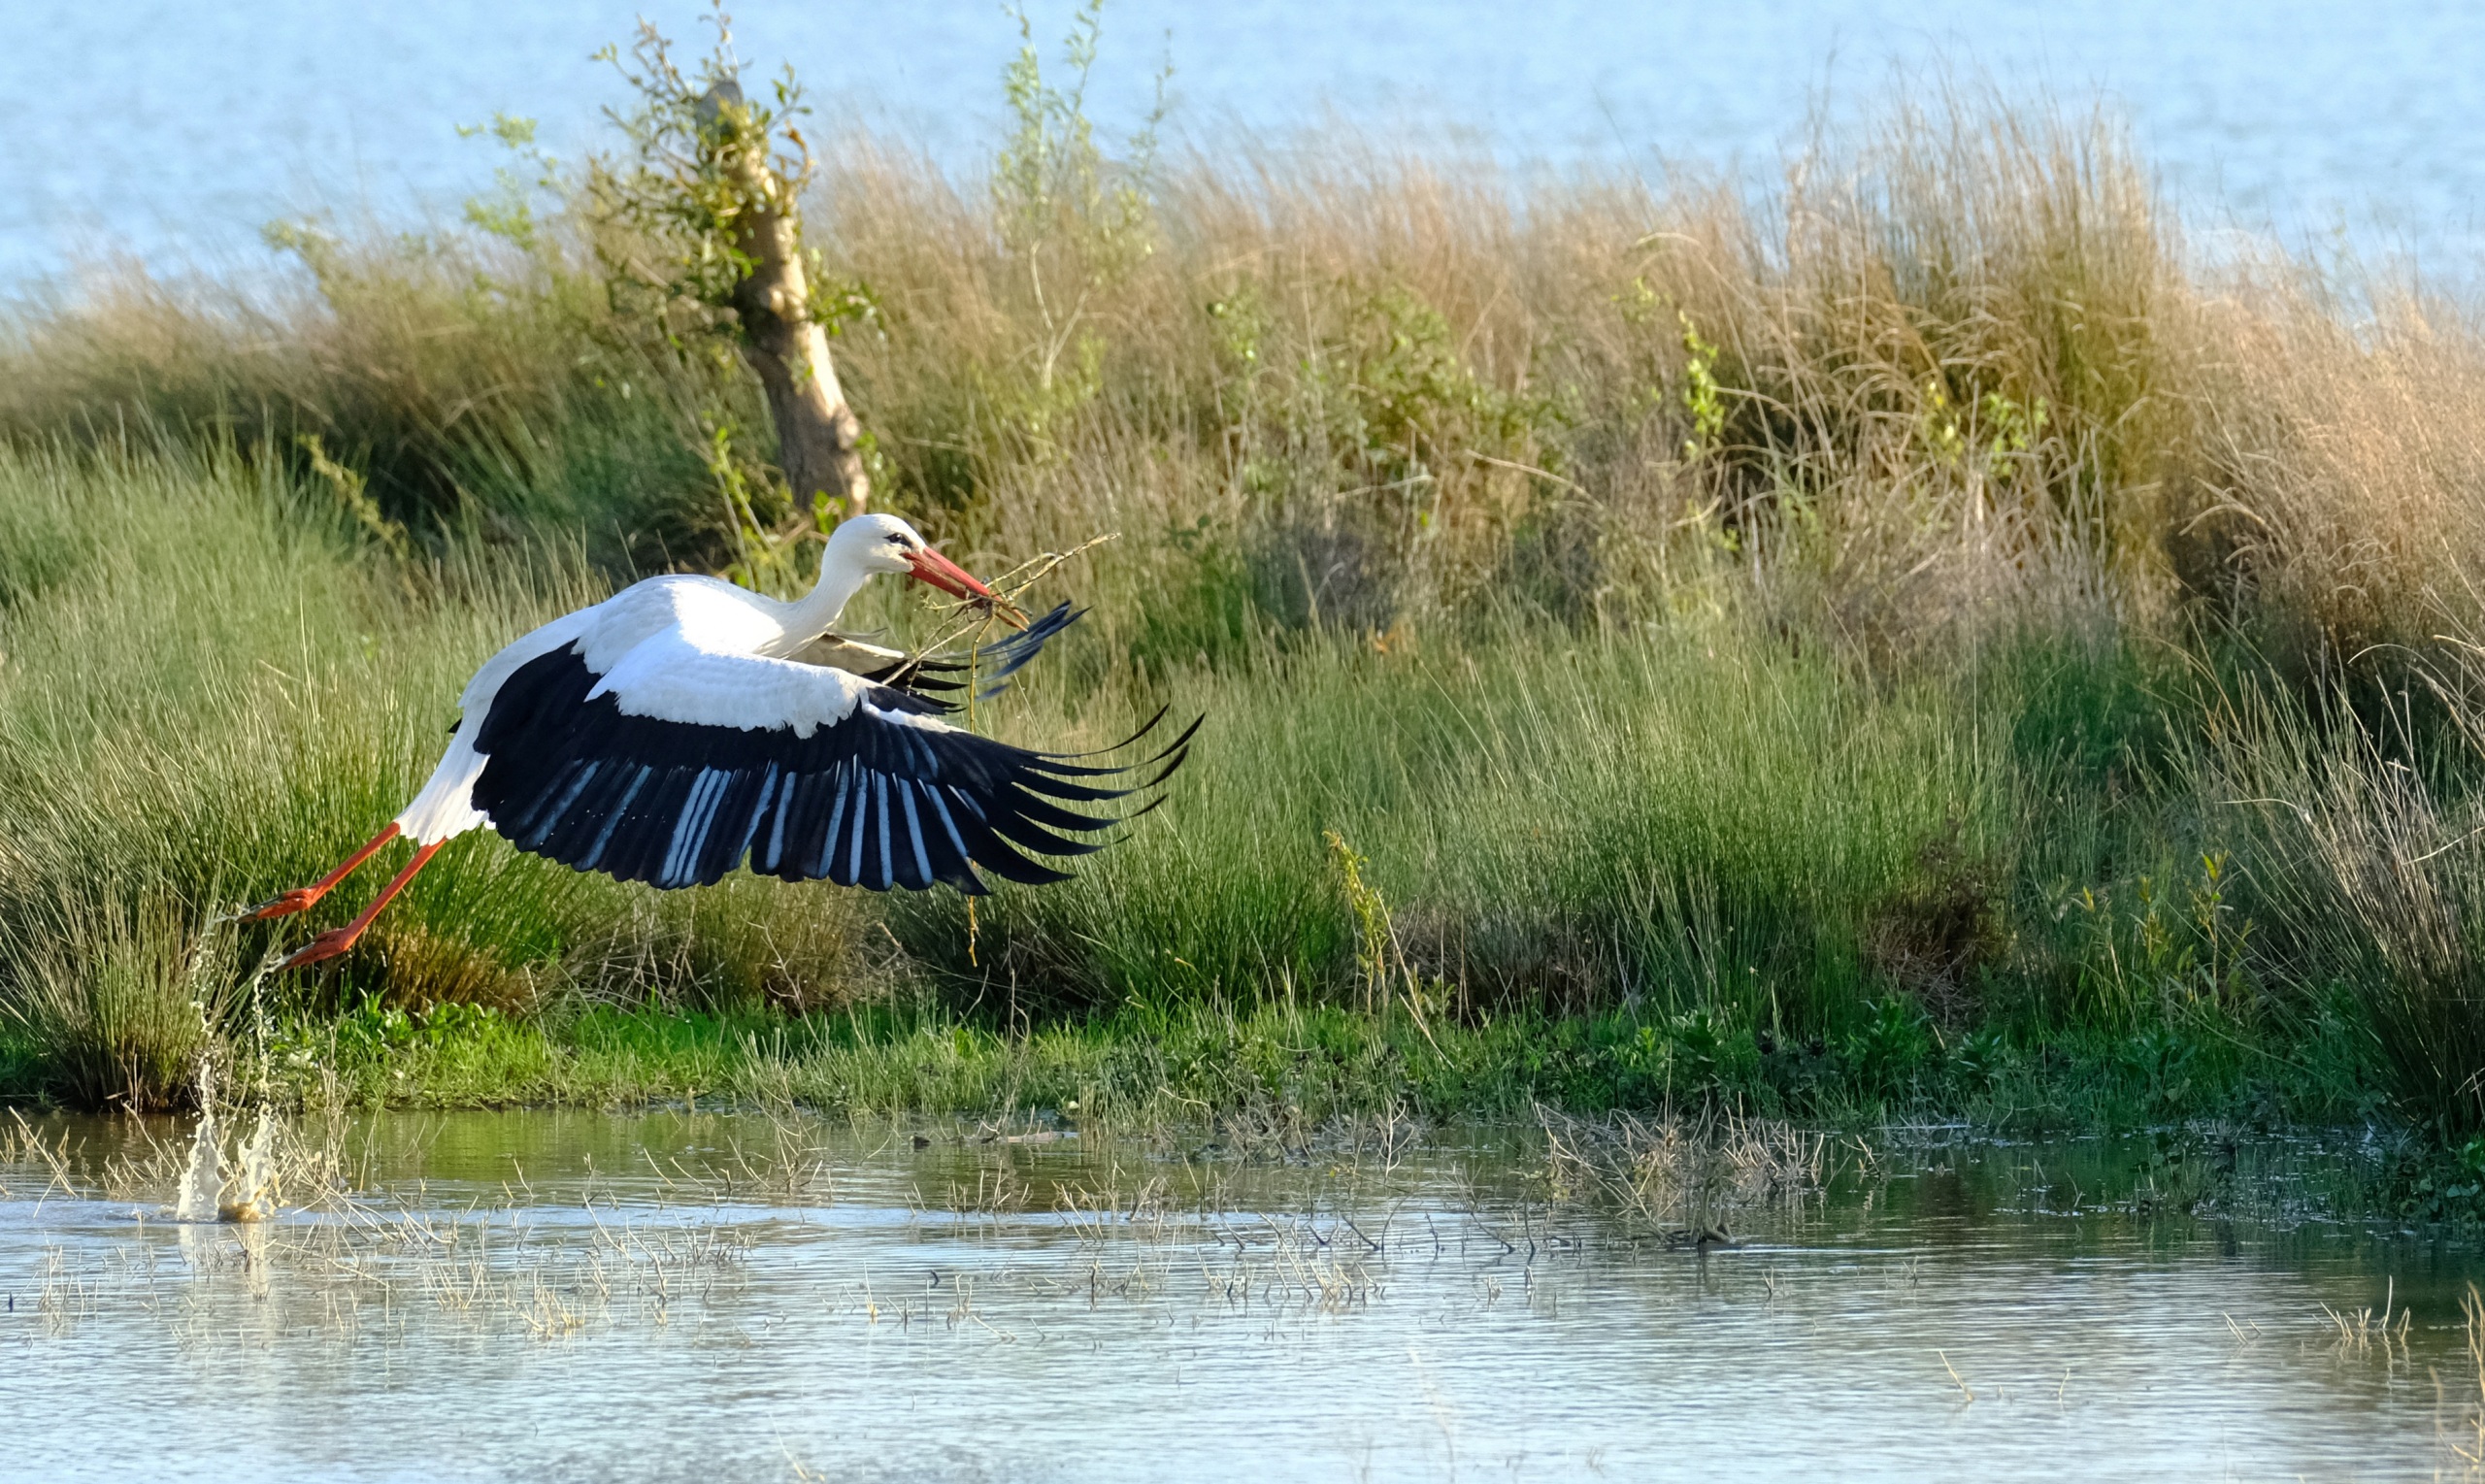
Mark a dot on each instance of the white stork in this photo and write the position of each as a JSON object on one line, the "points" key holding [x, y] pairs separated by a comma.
{"points": [[683, 724]]}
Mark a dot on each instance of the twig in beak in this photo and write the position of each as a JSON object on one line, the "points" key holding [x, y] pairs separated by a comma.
{"points": [[936, 571]]}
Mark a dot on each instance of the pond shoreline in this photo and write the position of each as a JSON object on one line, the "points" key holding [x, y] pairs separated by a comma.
{"points": [[1280, 1077]]}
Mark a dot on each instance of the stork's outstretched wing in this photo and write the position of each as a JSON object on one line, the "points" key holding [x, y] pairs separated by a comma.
{"points": [[942, 675], [680, 762]]}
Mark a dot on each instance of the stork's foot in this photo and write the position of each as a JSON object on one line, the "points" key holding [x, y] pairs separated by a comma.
{"points": [[304, 898], [332, 944], [299, 900]]}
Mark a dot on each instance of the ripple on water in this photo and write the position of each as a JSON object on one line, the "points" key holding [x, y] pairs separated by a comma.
{"points": [[558, 1296]]}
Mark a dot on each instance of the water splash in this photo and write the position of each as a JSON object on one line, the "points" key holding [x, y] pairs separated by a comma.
{"points": [[202, 1182], [255, 1180], [254, 1168]]}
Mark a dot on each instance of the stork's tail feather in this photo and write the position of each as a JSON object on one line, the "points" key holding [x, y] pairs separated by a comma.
{"points": [[446, 806], [991, 666], [995, 663]]}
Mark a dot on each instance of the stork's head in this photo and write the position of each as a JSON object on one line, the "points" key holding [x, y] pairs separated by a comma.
{"points": [[870, 544]]}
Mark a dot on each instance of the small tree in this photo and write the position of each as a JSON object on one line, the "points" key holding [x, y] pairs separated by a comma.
{"points": [[708, 198]]}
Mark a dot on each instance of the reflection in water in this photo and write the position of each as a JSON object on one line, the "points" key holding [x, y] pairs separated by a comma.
{"points": [[563, 1295]]}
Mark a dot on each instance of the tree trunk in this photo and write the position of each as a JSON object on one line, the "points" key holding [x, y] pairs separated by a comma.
{"points": [[819, 437]]}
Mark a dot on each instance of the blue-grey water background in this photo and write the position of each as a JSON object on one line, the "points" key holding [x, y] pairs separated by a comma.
{"points": [[173, 130]]}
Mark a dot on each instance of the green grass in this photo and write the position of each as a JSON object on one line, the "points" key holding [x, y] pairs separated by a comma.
{"points": [[1283, 1064], [1600, 869], [1685, 820]]}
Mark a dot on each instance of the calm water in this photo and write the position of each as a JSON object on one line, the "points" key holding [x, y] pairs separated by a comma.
{"points": [[560, 1296], [178, 128]]}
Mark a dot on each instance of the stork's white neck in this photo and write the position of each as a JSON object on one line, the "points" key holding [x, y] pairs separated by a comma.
{"points": [[811, 615]]}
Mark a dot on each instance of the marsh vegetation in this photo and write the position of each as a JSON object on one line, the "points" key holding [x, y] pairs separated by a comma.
{"points": [[1924, 639]]}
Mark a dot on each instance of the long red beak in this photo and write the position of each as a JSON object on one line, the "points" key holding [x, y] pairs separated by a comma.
{"points": [[938, 570]]}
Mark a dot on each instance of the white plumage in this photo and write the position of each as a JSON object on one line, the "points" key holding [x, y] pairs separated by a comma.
{"points": [[670, 730]]}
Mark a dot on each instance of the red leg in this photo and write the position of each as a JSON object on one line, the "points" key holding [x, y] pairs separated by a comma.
{"points": [[302, 897], [336, 940]]}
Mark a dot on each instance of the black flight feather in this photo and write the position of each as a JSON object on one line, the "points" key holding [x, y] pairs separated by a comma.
{"points": [[869, 800]]}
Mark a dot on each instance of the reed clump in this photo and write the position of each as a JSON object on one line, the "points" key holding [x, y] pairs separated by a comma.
{"points": [[123, 997], [474, 385], [2369, 843], [1962, 364]]}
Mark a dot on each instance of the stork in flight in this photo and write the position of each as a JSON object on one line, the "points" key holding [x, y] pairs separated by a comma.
{"points": [[683, 724]]}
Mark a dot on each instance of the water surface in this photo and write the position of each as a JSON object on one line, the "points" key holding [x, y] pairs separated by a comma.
{"points": [[173, 129], [560, 1296]]}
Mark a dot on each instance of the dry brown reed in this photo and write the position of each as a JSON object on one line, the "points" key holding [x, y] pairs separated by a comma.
{"points": [[2337, 459], [1958, 363], [1962, 359]]}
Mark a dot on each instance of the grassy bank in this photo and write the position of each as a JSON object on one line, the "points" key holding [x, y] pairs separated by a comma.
{"points": [[1274, 1064], [1921, 643]]}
